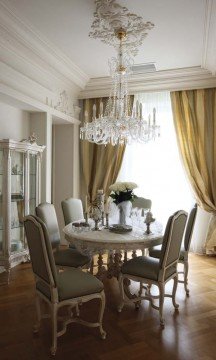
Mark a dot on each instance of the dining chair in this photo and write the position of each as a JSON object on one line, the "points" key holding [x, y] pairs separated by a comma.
{"points": [[67, 288], [69, 257], [72, 210], [183, 257], [142, 203], [148, 270]]}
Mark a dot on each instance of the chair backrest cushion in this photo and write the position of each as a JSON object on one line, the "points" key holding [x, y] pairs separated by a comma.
{"points": [[189, 227], [143, 203], [40, 250], [173, 238], [46, 212], [72, 210]]}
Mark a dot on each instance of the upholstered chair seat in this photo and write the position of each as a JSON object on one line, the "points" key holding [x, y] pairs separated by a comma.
{"points": [[144, 266], [155, 251], [69, 257], [72, 283]]}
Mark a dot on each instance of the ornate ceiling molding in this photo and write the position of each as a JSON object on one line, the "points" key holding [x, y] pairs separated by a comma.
{"points": [[169, 80], [110, 17], [36, 50]]}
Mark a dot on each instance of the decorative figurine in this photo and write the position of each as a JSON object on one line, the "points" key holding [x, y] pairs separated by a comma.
{"points": [[148, 220], [32, 138]]}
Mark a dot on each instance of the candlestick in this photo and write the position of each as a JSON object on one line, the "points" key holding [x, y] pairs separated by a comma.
{"points": [[102, 218], [148, 231], [86, 217], [107, 221], [86, 203], [96, 228]]}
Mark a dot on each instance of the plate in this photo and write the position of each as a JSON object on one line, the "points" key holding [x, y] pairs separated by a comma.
{"points": [[120, 229]]}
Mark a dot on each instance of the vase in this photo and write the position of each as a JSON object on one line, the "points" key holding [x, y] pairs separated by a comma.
{"points": [[124, 211]]}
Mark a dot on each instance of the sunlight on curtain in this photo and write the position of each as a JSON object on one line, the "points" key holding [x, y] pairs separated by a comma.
{"points": [[156, 166]]}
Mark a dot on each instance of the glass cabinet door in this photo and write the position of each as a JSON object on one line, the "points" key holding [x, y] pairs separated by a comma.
{"points": [[1, 201], [17, 201], [32, 183]]}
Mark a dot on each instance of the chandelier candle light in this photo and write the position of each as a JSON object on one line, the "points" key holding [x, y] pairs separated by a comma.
{"points": [[118, 123]]}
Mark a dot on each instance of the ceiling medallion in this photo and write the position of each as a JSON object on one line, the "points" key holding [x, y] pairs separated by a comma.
{"points": [[117, 122]]}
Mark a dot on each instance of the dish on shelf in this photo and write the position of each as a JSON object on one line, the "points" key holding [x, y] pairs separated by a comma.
{"points": [[120, 229]]}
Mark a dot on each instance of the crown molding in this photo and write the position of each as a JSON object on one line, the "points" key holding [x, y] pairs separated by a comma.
{"points": [[170, 80], [36, 50], [15, 98], [209, 43]]}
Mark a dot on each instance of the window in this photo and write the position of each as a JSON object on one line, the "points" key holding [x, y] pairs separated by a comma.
{"points": [[156, 166]]}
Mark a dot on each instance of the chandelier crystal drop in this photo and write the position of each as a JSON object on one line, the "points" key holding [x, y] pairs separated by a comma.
{"points": [[118, 122]]}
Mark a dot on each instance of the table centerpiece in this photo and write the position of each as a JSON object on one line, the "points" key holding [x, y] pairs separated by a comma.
{"points": [[123, 196]]}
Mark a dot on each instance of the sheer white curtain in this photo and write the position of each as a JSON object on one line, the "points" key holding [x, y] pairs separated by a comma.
{"points": [[156, 166]]}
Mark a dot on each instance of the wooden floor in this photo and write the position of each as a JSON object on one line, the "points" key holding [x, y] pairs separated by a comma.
{"points": [[133, 334]]}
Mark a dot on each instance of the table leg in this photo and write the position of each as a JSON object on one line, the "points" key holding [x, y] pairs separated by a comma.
{"points": [[101, 267], [117, 264], [126, 284], [110, 265], [125, 257], [134, 254]]}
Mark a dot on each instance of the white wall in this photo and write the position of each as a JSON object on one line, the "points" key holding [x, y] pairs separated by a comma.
{"points": [[65, 167], [41, 125], [14, 123]]}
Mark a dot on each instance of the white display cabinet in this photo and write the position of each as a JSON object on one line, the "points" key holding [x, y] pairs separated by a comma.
{"points": [[20, 173]]}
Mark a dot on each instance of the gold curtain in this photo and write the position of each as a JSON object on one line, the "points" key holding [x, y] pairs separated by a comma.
{"points": [[100, 163], [194, 114]]}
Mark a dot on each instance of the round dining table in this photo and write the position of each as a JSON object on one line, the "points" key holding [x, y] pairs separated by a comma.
{"points": [[116, 247]]}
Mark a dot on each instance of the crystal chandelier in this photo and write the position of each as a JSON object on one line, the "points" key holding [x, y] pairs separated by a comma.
{"points": [[118, 123]]}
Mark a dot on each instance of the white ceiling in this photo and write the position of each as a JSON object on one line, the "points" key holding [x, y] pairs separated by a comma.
{"points": [[175, 42]]}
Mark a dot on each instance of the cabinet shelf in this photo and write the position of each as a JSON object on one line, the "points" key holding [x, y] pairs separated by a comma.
{"points": [[17, 226]]}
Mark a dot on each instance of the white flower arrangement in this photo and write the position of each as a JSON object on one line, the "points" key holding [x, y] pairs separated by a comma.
{"points": [[123, 186], [122, 191]]}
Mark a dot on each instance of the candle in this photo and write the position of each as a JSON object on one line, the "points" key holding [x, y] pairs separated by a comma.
{"points": [[137, 108], [140, 111], [86, 116], [149, 120], [101, 108], [94, 111], [106, 208], [154, 116]]}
